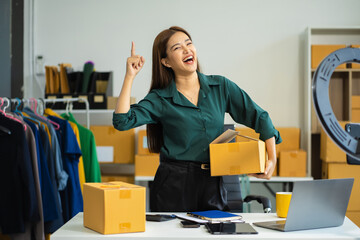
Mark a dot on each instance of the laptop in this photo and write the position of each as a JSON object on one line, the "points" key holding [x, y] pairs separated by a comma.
{"points": [[315, 204]]}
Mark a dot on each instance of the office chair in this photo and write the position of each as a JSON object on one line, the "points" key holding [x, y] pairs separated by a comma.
{"points": [[235, 200], [232, 185]]}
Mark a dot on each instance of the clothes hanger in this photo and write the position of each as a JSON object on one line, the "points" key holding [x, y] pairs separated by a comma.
{"points": [[8, 116], [69, 107], [33, 100], [4, 130], [41, 100], [18, 100], [26, 103]]}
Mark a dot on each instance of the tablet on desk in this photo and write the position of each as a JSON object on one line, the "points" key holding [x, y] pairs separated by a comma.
{"points": [[230, 228]]}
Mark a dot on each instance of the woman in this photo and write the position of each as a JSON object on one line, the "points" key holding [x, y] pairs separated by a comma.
{"points": [[184, 112]]}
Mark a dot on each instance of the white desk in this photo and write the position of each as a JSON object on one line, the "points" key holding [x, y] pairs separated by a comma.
{"points": [[74, 229]]}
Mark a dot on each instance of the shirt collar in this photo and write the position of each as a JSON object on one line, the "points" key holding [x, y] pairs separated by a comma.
{"points": [[171, 91]]}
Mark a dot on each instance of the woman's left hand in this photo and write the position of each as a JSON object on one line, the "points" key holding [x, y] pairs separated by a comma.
{"points": [[271, 162], [269, 170]]}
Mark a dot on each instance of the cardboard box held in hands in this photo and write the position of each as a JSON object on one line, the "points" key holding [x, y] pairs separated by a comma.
{"points": [[238, 157]]}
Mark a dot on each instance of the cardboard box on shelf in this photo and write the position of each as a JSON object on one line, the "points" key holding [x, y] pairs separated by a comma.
{"points": [[142, 146], [123, 142], [355, 101], [319, 52], [276, 171], [355, 115], [344, 170], [114, 207], [290, 137], [236, 158], [292, 163], [354, 216], [355, 65], [329, 151], [112, 100], [146, 165]]}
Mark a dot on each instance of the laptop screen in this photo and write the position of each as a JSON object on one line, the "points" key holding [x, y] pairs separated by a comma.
{"points": [[318, 204]]}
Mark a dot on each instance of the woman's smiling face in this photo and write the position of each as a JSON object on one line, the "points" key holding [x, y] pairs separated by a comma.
{"points": [[181, 54]]}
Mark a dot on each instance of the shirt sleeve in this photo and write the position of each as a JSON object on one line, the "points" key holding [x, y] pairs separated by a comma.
{"points": [[245, 111], [147, 111]]}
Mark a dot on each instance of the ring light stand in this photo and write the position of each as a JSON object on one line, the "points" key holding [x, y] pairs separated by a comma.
{"points": [[348, 140]]}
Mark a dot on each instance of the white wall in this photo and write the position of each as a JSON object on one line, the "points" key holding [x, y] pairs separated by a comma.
{"points": [[258, 44]]}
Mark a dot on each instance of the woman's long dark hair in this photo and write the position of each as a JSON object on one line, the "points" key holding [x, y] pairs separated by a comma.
{"points": [[161, 78]]}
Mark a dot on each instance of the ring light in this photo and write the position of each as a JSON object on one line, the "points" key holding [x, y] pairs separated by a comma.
{"points": [[320, 89]]}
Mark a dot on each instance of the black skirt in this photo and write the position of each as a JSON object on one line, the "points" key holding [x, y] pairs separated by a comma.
{"points": [[184, 186]]}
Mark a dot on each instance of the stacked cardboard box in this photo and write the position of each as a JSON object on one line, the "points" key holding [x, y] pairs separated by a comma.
{"points": [[146, 163], [112, 100], [355, 108], [319, 52], [292, 159], [122, 143], [355, 65], [114, 146], [334, 165], [292, 163], [329, 152]]}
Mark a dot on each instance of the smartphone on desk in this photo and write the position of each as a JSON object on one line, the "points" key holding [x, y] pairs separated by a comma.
{"points": [[230, 228], [189, 224]]}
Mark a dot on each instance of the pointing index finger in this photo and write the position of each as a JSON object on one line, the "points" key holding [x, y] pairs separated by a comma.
{"points": [[132, 48]]}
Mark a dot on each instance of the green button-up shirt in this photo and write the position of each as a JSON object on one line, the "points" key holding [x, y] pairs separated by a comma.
{"points": [[188, 129]]}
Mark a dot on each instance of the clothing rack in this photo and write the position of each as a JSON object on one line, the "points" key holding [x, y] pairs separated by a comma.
{"points": [[70, 100]]}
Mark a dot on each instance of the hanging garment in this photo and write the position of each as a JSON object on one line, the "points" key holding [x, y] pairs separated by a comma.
{"points": [[18, 203], [50, 112], [61, 175], [71, 197], [35, 229], [52, 222], [88, 149], [51, 209]]}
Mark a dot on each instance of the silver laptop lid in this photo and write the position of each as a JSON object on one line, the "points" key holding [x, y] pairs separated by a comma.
{"points": [[318, 204]]}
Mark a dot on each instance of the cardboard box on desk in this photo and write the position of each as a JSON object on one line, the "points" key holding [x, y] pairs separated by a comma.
{"points": [[114, 207], [236, 158], [146, 165]]}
